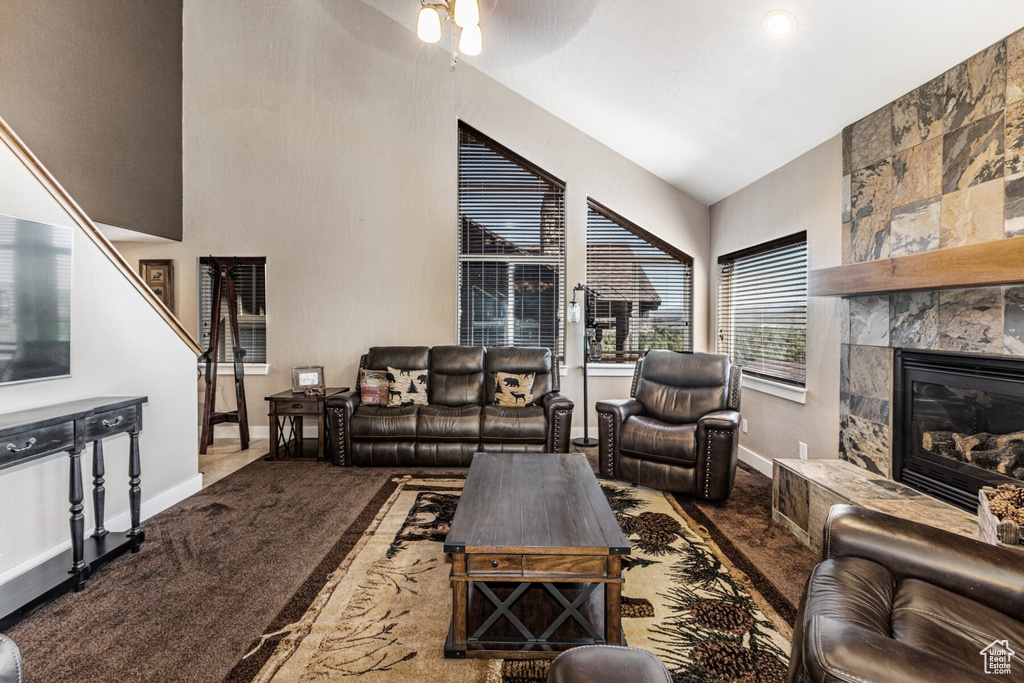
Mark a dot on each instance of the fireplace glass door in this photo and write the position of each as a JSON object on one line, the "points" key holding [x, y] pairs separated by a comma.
{"points": [[959, 423]]}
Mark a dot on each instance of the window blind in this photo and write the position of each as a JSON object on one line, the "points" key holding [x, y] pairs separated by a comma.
{"points": [[511, 262], [251, 301], [762, 309], [639, 288]]}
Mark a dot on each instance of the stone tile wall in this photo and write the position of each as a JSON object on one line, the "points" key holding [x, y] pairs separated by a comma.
{"points": [[942, 166]]}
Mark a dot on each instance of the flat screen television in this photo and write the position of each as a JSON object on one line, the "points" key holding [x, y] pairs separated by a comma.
{"points": [[35, 300]]}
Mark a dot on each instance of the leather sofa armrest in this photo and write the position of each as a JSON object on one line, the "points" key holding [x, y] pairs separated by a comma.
{"points": [[985, 573], [620, 408], [339, 416], [611, 414], [558, 411], [11, 670], [836, 651], [717, 445], [720, 419]]}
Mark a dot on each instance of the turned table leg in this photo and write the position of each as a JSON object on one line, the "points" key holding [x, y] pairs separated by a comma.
{"points": [[99, 492], [77, 522], [134, 490]]}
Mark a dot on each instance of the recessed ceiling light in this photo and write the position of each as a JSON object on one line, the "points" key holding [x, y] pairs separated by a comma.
{"points": [[778, 22]]}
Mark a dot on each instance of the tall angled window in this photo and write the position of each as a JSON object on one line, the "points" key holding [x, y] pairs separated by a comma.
{"points": [[639, 289], [511, 248], [251, 303], [762, 309]]}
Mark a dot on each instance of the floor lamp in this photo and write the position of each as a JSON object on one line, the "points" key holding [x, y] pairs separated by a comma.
{"points": [[574, 317]]}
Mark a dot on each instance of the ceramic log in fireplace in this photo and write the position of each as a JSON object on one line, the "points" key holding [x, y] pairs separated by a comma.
{"points": [[958, 423]]}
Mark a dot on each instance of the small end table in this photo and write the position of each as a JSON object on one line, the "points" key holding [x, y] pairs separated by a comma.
{"points": [[287, 410]]}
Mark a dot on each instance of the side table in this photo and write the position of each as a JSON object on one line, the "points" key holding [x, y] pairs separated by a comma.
{"points": [[287, 410]]}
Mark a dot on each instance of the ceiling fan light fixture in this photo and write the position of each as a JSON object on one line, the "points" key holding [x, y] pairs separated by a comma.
{"points": [[779, 22], [467, 13], [428, 26], [471, 41]]}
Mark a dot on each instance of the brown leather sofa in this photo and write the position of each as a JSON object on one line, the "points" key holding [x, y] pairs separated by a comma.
{"points": [[678, 431], [893, 600], [460, 418]]}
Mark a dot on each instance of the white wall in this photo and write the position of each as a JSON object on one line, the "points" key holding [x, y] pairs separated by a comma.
{"points": [[323, 135], [805, 194], [119, 347]]}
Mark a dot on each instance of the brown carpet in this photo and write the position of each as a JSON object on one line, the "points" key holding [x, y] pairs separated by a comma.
{"points": [[218, 568], [214, 570]]}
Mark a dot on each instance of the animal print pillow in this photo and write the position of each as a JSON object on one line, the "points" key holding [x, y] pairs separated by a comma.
{"points": [[373, 387], [513, 391], [407, 387]]}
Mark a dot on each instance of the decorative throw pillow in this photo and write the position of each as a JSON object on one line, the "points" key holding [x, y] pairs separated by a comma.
{"points": [[407, 387], [373, 387], [513, 391]]}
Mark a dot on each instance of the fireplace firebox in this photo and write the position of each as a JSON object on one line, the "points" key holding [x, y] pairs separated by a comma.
{"points": [[958, 423]]}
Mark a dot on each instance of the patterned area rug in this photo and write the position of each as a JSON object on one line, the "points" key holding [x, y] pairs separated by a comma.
{"points": [[383, 613]]}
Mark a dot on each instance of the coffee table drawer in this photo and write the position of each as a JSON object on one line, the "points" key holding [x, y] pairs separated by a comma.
{"points": [[570, 565], [495, 564]]}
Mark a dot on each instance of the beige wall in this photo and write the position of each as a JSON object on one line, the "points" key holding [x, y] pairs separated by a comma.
{"points": [[120, 346], [805, 194], [94, 89], [323, 135]]}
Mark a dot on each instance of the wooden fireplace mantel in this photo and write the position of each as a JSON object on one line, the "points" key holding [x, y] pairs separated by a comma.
{"points": [[1000, 262]]}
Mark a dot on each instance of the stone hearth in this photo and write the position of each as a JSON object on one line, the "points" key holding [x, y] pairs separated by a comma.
{"points": [[803, 491]]}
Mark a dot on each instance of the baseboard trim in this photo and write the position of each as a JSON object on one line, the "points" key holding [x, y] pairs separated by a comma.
{"points": [[759, 463], [117, 523]]}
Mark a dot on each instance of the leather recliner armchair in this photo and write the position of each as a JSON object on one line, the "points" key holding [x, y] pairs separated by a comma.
{"points": [[678, 431], [893, 600]]}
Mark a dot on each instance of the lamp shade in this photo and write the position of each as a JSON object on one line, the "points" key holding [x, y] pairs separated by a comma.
{"points": [[471, 41], [428, 27], [573, 314], [467, 13]]}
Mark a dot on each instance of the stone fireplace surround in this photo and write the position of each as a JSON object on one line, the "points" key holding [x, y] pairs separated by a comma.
{"points": [[940, 167]]}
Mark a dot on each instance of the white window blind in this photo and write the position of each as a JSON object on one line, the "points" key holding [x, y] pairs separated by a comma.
{"points": [[251, 302], [762, 309], [639, 288], [511, 248]]}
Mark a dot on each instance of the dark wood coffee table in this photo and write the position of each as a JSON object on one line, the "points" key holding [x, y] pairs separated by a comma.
{"points": [[536, 566]]}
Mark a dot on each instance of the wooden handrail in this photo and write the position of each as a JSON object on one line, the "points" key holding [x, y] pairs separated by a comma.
{"points": [[46, 179]]}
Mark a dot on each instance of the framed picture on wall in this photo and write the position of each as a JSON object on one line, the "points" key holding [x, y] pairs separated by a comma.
{"points": [[158, 274]]}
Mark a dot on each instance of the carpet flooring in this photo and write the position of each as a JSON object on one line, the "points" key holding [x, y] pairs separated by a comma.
{"points": [[376, 617], [218, 568]]}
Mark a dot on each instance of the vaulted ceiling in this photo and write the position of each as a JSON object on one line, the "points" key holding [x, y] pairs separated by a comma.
{"points": [[698, 94]]}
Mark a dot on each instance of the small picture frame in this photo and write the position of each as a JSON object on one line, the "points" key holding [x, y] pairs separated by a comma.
{"points": [[158, 274], [309, 380]]}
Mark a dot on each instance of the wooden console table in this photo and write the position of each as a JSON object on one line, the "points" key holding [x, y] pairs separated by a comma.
{"points": [[30, 434], [287, 410]]}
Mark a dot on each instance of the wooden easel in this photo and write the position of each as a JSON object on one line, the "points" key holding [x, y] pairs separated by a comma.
{"points": [[222, 271]]}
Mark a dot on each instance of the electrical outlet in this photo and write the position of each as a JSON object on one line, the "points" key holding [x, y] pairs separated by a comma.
{"points": [[803, 451], [743, 426]]}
